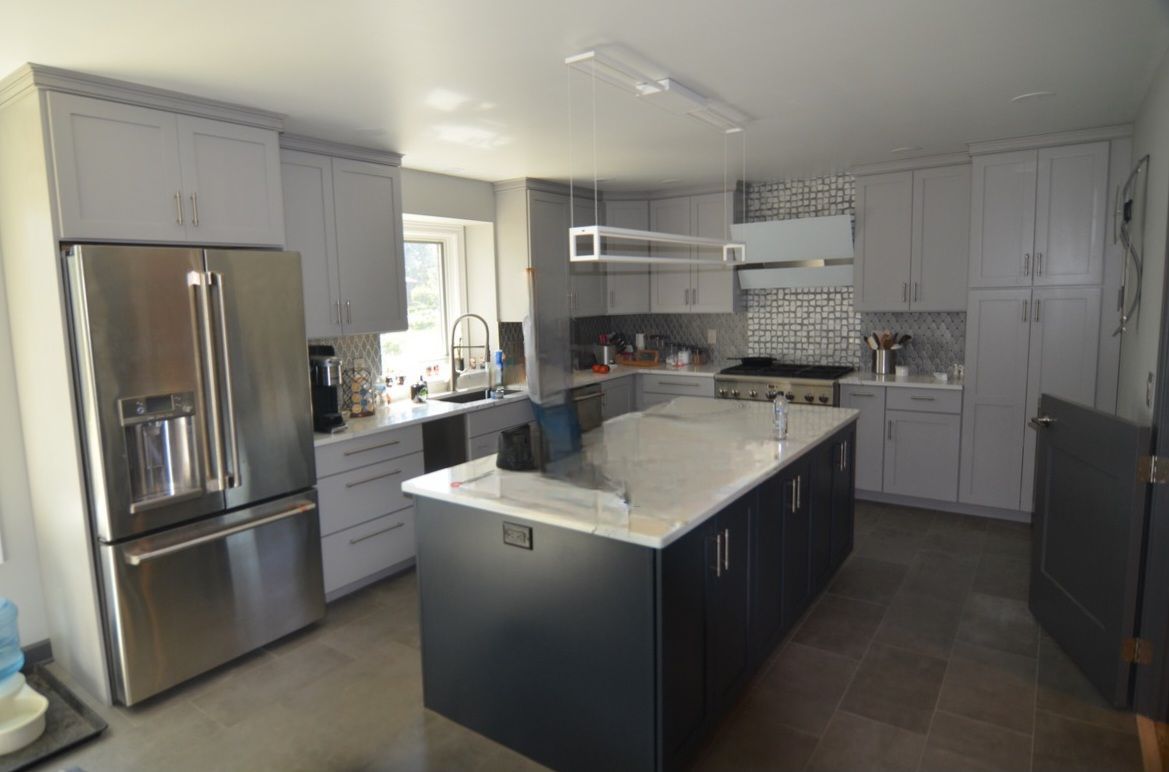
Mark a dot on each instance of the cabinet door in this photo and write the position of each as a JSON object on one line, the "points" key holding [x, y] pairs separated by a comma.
{"points": [[628, 283], [797, 587], [117, 171], [941, 239], [587, 279], [728, 611], [370, 259], [921, 454], [994, 400], [843, 496], [819, 494], [767, 566], [1065, 336], [884, 236], [483, 445], [1070, 214], [870, 433], [616, 398], [231, 179], [685, 565], [713, 289], [307, 181], [670, 285], [1002, 219]]}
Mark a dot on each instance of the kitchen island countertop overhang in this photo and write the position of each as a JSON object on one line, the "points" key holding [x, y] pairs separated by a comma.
{"points": [[664, 471]]}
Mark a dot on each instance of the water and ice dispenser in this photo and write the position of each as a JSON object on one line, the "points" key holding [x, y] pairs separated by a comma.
{"points": [[161, 447]]}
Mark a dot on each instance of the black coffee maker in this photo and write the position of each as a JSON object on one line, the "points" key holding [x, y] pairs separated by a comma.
{"points": [[325, 374]]}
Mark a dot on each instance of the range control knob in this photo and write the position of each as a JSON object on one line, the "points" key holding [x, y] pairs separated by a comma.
{"points": [[824, 399], [790, 395], [722, 392], [809, 398], [735, 393], [772, 394], [753, 394]]}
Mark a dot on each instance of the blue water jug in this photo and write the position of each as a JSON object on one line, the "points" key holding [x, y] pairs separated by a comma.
{"points": [[11, 655]]}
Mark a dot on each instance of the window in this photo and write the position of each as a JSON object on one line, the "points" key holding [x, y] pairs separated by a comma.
{"points": [[433, 271]]}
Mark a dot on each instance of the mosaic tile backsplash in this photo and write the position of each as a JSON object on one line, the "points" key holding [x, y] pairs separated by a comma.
{"points": [[939, 339], [806, 325], [790, 199], [351, 348]]}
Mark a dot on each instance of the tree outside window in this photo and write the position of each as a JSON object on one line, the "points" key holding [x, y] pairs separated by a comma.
{"points": [[423, 344]]}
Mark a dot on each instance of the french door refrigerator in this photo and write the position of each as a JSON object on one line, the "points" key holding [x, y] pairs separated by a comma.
{"points": [[194, 406]]}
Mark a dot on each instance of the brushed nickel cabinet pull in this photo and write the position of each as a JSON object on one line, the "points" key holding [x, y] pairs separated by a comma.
{"points": [[1038, 263], [376, 533], [922, 399], [905, 292], [889, 434], [1027, 264], [389, 444], [375, 478], [726, 549], [1026, 306], [1037, 306], [349, 312], [179, 207], [195, 209]]}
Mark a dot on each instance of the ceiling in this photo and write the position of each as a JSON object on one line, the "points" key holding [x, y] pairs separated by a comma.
{"points": [[479, 89]]}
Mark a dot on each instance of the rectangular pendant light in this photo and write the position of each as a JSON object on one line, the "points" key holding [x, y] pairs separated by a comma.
{"points": [[613, 72], [585, 245]]}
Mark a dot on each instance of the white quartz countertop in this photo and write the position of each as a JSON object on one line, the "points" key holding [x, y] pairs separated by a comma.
{"points": [[585, 377], [645, 478], [926, 381], [403, 413]]}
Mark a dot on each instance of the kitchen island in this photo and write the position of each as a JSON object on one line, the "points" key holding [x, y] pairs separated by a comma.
{"points": [[610, 619]]}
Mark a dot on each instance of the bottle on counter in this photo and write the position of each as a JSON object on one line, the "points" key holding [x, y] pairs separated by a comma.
{"points": [[779, 416], [497, 376]]}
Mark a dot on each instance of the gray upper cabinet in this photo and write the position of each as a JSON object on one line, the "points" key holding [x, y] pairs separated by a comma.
{"points": [[691, 288], [995, 397], [870, 432], [128, 173], [912, 240], [628, 283], [1038, 216], [941, 239], [1070, 215], [884, 220], [345, 218]]}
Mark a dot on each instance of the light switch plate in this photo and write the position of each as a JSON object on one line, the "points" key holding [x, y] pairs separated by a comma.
{"points": [[711, 337]]}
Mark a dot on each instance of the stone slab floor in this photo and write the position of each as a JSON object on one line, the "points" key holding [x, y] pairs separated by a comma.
{"points": [[922, 655]]}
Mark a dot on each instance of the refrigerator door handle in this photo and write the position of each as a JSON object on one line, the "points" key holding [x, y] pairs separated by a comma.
{"points": [[214, 455], [234, 478], [137, 558]]}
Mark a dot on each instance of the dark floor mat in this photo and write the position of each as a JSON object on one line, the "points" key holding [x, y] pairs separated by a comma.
{"points": [[68, 723]]}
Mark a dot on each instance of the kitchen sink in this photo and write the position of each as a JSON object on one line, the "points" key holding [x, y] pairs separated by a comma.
{"points": [[469, 396]]}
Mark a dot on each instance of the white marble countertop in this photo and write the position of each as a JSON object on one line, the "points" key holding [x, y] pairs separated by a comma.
{"points": [[404, 413], [586, 377], [926, 381], [652, 476]]}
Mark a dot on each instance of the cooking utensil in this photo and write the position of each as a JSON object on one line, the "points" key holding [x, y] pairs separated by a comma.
{"points": [[904, 339]]}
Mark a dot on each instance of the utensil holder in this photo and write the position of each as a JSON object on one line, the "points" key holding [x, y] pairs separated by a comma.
{"points": [[884, 361]]}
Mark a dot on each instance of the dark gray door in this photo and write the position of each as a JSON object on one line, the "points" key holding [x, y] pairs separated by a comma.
{"points": [[1088, 533]]}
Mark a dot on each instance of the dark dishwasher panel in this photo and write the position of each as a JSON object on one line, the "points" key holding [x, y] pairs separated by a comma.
{"points": [[444, 442]]}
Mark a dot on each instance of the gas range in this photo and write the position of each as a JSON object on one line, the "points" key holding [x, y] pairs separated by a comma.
{"points": [[761, 378]]}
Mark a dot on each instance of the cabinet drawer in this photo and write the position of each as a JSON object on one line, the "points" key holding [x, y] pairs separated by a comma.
{"points": [[362, 451], [924, 400], [684, 385], [355, 553], [362, 494], [483, 445], [499, 417]]}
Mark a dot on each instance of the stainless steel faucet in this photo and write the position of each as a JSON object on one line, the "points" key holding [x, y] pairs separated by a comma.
{"points": [[455, 372]]}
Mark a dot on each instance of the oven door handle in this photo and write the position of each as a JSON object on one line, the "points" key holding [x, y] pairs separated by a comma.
{"points": [[138, 557]]}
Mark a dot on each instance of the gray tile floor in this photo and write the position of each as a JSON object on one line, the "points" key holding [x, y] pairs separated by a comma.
{"points": [[922, 655]]}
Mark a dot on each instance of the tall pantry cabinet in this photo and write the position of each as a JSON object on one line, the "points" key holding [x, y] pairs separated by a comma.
{"points": [[1038, 219]]}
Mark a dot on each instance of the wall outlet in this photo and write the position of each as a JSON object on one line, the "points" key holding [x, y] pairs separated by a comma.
{"points": [[712, 337]]}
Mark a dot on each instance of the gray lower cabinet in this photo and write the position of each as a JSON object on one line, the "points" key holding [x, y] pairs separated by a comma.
{"points": [[617, 397], [656, 388], [485, 426], [870, 433], [921, 454]]}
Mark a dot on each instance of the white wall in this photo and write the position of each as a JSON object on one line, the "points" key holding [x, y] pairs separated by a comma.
{"points": [[440, 195], [20, 573], [1138, 355]]}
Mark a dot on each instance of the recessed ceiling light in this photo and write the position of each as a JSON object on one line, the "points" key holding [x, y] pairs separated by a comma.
{"points": [[905, 149], [1032, 95]]}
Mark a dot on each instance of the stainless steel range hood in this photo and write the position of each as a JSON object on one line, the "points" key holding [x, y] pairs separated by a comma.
{"points": [[805, 252]]}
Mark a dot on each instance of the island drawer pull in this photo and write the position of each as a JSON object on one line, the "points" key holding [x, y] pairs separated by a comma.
{"points": [[373, 447], [376, 533], [918, 398], [375, 478]]}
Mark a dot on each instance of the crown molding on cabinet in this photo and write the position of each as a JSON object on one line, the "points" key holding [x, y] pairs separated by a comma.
{"points": [[339, 150], [38, 76], [547, 186], [1097, 134], [910, 164]]}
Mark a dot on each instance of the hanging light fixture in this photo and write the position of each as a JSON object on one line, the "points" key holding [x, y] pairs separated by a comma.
{"points": [[598, 243]]}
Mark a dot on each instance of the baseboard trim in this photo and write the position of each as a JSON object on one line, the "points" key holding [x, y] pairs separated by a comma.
{"points": [[957, 507], [38, 653], [397, 568]]}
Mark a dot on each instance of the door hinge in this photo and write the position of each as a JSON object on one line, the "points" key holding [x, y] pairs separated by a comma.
{"points": [[1153, 470], [1138, 651]]}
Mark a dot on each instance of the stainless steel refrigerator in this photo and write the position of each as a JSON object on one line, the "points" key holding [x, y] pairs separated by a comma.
{"points": [[192, 374]]}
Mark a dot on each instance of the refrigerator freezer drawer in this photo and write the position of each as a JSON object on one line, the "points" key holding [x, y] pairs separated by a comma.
{"points": [[184, 601]]}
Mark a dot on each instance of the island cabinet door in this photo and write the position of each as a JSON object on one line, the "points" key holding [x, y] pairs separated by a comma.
{"points": [[797, 588], [728, 595], [819, 493], [843, 495], [766, 568]]}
